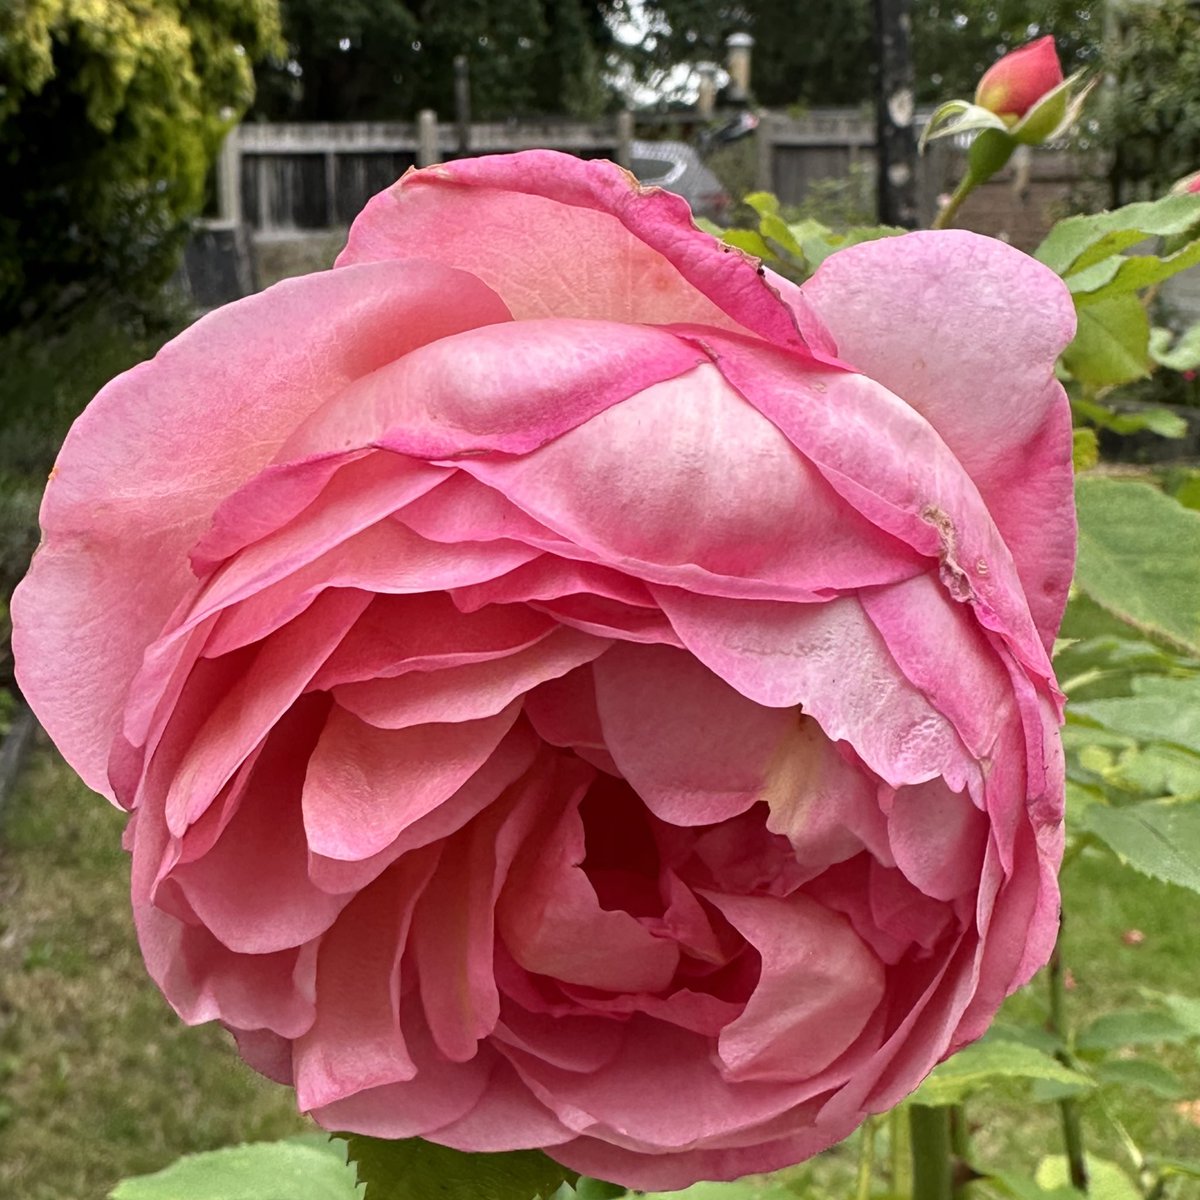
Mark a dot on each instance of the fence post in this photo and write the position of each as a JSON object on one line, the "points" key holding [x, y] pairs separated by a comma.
{"points": [[427, 138], [330, 188], [706, 94], [229, 180], [894, 102], [625, 139], [462, 103], [764, 146]]}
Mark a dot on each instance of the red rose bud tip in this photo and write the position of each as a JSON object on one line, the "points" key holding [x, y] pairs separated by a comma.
{"points": [[1012, 86]]}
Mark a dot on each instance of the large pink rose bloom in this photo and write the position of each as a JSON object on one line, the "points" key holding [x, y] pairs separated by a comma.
{"points": [[571, 689]]}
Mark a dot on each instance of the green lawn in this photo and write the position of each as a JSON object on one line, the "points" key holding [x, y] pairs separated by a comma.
{"points": [[98, 1079]]}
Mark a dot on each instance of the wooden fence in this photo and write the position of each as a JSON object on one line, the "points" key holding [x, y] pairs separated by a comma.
{"points": [[294, 188], [281, 178]]}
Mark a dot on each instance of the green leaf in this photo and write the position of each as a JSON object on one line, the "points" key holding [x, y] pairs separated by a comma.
{"points": [[1139, 558], [1129, 1027], [983, 1064], [1080, 241], [819, 241], [1106, 1180], [1112, 343], [959, 116], [309, 1169], [1179, 1166], [1161, 709], [774, 227], [1122, 274], [1183, 355], [1185, 1009], [1158, 420], [1085, 449], [1143, 1074], [766, 204], [749, 240], [783, 1185], [1161, 840], [1158, 771], [598, 1189], [413, 1169], [1097, 667], [1019, 1188]]}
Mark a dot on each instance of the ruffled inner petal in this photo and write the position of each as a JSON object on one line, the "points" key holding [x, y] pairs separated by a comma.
{"points": [[365, 785]]}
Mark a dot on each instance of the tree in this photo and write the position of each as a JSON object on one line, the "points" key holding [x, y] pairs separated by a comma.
{"points": [[820, 53], [810, 54], [380, 59], [956, 42], [1151, 117], [111, 113]]}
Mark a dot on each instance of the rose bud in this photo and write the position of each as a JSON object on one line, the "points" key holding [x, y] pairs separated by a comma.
{"points": [[571, 688], [1022, 99], [1011, 87], [1189, 185]]}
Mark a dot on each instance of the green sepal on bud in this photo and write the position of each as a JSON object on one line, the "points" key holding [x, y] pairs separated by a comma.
{"points": [[1049, 118], [988, 153], [958, 116], [1054, 114]]}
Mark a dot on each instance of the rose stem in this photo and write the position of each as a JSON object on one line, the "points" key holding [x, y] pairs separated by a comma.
{"points": [[948, 210], [933, 1174], [1072, 1125], [900, 1150], [866, 1159]]}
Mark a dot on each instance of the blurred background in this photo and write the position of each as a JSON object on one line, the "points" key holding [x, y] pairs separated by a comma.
{"points": [[161, 157]]}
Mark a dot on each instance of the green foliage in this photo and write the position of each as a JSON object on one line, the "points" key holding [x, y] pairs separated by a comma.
{"points": [[819, 61], [1081, 242], [109, 117], [1139, 559], [1150, 119], [823, 64], [1106, 1180], [793, 247], [987, 1062], [300, 1168], [1160, 839], [1176, 353], [1115, 1030], [413, 1169], [1114, 343], [51, 370], [381, 59]]}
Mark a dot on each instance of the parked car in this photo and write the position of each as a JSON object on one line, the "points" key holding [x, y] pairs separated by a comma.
{"points": [[677, 167]]}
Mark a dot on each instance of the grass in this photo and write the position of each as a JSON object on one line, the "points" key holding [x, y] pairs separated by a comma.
{"points": [[99, 1079], [51, 370]]}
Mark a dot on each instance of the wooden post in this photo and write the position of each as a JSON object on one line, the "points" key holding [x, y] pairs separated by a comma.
{"points": [[738, 47], [229, 180], [330, 189], [764, 154], [427, 138], [896, 144], [706, 95], [462, 103], [625, 138]]}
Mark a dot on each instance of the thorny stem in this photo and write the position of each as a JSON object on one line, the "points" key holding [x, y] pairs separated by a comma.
{"points": [[948, 210], [1072, 1125]]}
